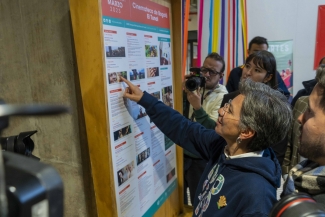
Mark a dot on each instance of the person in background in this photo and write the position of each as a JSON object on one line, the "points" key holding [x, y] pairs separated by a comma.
{"points": [[242, 173], [212, 69], [308, 86], [308, 176], [292, 156], [256, 44]]}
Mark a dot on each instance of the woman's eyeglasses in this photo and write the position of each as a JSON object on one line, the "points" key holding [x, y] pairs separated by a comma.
{"points": [[225, 109]]}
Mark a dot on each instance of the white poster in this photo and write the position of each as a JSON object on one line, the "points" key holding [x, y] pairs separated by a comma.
{"points": [[137, 46]]}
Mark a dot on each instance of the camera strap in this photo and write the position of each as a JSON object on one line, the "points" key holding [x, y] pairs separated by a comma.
{"points": [[206, 95]]}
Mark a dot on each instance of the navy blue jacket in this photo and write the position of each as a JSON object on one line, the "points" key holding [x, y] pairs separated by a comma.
{"points": [[308, 88], [248, 184], [235, 75]]}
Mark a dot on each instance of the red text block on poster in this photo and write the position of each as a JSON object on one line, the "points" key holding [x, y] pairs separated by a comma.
{"points": [[140, 11]]}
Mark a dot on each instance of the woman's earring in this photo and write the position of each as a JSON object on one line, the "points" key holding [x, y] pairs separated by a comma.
{"points": [[238, 140]]}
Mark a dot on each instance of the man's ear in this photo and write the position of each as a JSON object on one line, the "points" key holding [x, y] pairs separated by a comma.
{"points": [[247, 134], [221, 75]]}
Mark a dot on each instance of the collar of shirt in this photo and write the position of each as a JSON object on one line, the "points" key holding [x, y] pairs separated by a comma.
{"points": [[248, 154]]}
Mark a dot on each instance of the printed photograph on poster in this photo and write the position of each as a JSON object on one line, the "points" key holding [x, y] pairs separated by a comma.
{"points": [[142, 113], [168, 142], [137, 74], [156, 94], [167, 96], [115, 51], [152, 72], [114, 77], [136, 111], [151, 50], [125, 173], [170, 175], [143, 156], [122, 132], [164, 50]]}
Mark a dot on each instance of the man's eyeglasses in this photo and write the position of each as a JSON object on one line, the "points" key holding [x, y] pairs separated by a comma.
{"points": [[211, 71]]}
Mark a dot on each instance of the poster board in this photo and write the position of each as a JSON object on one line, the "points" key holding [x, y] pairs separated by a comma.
{"points": [[283, 53], [89, 37], [137, 46]]}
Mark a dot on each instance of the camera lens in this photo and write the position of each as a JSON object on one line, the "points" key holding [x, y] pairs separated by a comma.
{"points": [[21, 144], [192, 83], [298, 205]]}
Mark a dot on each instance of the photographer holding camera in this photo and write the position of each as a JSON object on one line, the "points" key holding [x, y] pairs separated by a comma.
{"points": [[304, 189], [204, 82]]}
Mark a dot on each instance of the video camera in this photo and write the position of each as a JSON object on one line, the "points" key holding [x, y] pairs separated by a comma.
{"points": [[20, 144], [28, 188], [196, 80]]}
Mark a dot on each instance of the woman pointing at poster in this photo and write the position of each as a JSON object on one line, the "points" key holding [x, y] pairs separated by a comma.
{"points": [[242, 173]]}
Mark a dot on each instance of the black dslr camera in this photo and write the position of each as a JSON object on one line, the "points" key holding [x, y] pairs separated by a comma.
{"points": [[297, 205], [196, 80]]}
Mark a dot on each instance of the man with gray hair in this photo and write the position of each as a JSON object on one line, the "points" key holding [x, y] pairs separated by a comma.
{"points": [[309, 175], [242, 172]]}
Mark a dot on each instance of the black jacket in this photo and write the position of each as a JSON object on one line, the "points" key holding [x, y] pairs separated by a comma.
{"points": [[309, 86], [229, 96]]}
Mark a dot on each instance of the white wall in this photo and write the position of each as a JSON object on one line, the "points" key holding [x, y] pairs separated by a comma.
{"points": [[289, 19]]}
